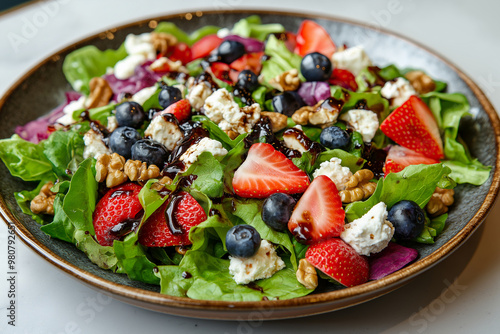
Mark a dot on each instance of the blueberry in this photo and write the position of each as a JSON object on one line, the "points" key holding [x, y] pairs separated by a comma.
{"points": [[229, 51], [169, 95], [316, 67], [334, 137], [276, 211], [130, 114], [287, 103], [150, 151], [407, 218], [122, 139], [242, 240], [248, 80]]}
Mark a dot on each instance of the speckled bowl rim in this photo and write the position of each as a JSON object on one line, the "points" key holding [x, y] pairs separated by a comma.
{"points": [[307, 305]]}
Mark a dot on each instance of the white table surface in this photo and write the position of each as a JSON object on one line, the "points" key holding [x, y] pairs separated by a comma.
{"points": [[460, 295]]}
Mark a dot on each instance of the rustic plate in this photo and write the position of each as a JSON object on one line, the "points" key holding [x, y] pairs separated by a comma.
{"points": [[46, 84]]}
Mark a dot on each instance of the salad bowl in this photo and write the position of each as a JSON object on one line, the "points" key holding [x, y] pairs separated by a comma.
{"points": [[46, 84]]}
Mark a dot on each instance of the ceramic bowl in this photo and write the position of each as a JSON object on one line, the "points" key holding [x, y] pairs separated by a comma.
{"points": [[45, 84]]}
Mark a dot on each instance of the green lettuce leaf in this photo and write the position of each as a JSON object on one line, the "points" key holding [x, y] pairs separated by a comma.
{"points": [[171, 28], [103, 256], [473, 173], [280, 60], [64, 149], [60, 227], [23, 199], [253, 27], [132, 258], [79, 202], [25, 159], [210, 173], [216, 132], [210, 280], [83, 64]]}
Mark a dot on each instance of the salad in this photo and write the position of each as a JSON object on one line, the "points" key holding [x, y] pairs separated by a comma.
{"points": [[244, 164]]}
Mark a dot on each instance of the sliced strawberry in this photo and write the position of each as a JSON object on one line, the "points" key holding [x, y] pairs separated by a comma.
{"points": [[181, 110], [181, 52], [413, 126], [120, 205], [170, 224], [344, 79], [266, 171], [222, 72], [312, 37], [400, 157], [249, 61], [340, 261], [204, 46], [318, 214]]}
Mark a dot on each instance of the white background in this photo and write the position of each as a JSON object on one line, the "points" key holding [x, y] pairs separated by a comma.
{"points": [[460, 295]]}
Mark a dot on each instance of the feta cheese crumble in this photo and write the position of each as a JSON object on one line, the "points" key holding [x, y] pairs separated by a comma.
{"points": [[73, 106], [221, 109], [94, 146], [144, 94], [262, 264], [198, 94], [204, 145], [353, 59], [335, 171], [139, 49], [164, 132], [397, 91], [363, 121], [371, 233]]}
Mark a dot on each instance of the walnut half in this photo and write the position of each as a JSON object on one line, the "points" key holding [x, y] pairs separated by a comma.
{"points": [[44, 201], [116, 171], [358, 187], [421, 82], [306, 275], [278, 121], [286, 81], [440, 200], [100, 93]]}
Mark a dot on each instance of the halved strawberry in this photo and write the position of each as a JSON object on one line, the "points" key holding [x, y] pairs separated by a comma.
{"points": [[400, 157], [413, 126], [312, 37], [340, 261], [181, 52], [170, 224], [344, 79], [318, 214], [120, 205], [181, 110], [204, 46], [249, 61], [266, 171]]}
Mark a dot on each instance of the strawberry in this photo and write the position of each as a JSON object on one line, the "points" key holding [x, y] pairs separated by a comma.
{"points": [[181, 110], [204, 46], [266, 171], [223, 72], [312, 37], [186, 213], [413, 126], [120, 205], [340, 261], [249, 61], [344, 79], [181, 52], [318, 214], [400, 157]]}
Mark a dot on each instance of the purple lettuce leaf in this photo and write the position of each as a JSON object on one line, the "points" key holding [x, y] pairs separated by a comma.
{"points": [[314, 91], [251, 44], [143, 77], [36, 130], [389, 260]]}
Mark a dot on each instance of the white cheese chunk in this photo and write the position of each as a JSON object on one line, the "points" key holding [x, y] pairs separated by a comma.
{"points": [[335, 171], [363, 121], [353, 59]]}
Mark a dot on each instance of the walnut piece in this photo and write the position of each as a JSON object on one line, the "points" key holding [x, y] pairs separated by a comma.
{"points": [[358, 187], [163, 41], [44, 201], [306, 274], [164, 64], [232, 134], [100, 93], [139, 171], [421, 82], [317, 115], [440, 200], [116, 171], [301, 116], [278, 121], [288, 80], [158, 186]]}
